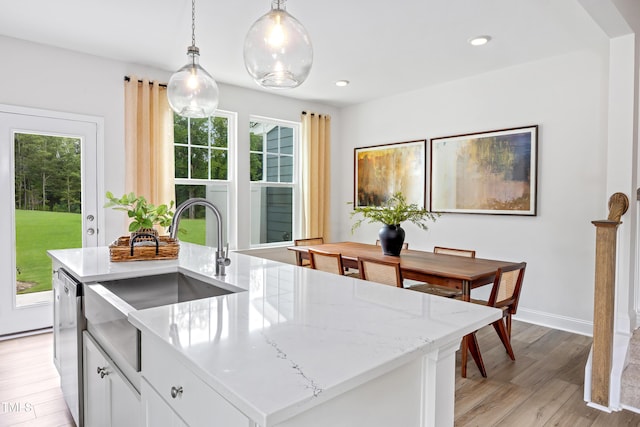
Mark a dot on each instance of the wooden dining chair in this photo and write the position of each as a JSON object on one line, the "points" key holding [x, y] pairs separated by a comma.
{"points": [[405, 245], [453, 251], [306, 242], [380, 271], [439, 290], [326, 261], [505, 295]]}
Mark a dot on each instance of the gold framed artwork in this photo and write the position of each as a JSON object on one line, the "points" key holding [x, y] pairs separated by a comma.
{"points": [[488, 173], [383, 170]]}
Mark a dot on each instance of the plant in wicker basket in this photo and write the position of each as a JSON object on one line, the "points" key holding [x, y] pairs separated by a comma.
{"points": [[144, 242], [144, 215]]}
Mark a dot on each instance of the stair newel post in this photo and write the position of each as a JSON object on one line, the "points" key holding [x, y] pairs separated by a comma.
{"points": [[604, 298]]}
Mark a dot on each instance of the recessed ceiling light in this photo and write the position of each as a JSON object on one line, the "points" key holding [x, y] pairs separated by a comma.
{"points": [[479, 40], [342, 83]]}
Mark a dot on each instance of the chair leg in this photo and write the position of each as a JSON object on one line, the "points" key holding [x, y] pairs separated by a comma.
{"points": [[475, 353], [463, 356], [499, 326], [470, 342], [509, 324]]}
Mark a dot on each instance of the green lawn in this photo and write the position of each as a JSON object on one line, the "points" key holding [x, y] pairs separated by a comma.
{"points": [[192, 230], [38, 231]]}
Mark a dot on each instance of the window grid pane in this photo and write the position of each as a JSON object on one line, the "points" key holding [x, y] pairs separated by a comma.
{"points": [[201, 148]]}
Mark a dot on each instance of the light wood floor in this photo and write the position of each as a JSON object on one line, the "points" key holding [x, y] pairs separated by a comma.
{"points": [[29, 384], [543, 387]]}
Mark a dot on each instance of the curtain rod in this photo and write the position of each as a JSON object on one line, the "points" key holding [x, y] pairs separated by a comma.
{"points": [[304, 113], [128, 79]]}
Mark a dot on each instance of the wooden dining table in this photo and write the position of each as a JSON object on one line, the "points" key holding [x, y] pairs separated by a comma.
{"points": [[458, 272], [448, 270]]}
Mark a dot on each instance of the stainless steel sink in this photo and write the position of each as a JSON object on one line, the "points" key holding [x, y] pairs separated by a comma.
{"points": [[164, 289], [107, 305]]}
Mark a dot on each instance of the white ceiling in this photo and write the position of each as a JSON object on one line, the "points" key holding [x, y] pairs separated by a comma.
{"points": [[381, 46]]}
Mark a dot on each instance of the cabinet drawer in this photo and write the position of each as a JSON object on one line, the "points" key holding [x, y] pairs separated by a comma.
{"points": [[157, 413], [193, 400]]}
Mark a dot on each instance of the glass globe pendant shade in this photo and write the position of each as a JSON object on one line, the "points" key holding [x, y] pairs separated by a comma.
{"points": [[277, 49], [191, 91]]}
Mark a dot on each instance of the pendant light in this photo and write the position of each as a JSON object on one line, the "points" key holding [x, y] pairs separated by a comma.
{"points": [[277, 49], [191, 91]]}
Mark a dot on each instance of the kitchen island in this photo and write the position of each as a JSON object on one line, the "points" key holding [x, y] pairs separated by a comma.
{"points": [[290, 346]]}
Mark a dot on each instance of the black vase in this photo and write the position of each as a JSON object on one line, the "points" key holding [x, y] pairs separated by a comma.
{"points": [[391, 239]]}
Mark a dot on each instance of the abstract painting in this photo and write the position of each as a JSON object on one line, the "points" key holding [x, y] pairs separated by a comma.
{"points": [[489, 173], [382, 170]]}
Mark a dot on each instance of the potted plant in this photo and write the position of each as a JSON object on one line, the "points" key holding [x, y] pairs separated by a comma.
{"points": [[393, 212], [144, 215]]}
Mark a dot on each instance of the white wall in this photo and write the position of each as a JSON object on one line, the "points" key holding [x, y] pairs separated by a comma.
{"points": [[567, 97], [44, 77]]}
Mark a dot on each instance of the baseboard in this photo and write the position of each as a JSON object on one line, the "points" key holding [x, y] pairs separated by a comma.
{"points": [[26, 333], [564, 323], [599, 407], [631, 408]]}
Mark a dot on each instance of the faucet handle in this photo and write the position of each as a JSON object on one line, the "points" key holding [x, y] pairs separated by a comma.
{"points": [[225, 255], [222, 255]]}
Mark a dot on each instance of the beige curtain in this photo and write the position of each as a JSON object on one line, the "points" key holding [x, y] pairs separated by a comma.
{"points": [[316, 168], [148, 163]]}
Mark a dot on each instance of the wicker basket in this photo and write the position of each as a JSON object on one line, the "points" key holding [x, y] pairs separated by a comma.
{"points": [[121, 250]]}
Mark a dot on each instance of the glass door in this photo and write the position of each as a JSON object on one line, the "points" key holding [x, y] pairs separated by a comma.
{"points": [[48, 167]]}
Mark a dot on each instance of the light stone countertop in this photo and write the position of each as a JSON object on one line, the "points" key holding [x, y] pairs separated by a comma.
{"points": [[295, 337]]}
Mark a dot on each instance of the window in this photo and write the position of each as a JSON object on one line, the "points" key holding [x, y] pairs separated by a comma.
{"points": [[202, 158], [204, 167], [48, 206], [273, 174], [201, 148]]}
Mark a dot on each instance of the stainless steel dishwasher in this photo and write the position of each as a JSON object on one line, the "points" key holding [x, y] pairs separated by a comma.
{"points": [[68, 326]]}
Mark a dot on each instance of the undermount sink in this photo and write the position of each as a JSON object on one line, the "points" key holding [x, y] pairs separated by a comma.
{"points": [[164, 289], [107, 305]]}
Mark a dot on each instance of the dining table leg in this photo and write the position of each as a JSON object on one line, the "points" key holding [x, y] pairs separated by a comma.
{"points": [[466, 296]]}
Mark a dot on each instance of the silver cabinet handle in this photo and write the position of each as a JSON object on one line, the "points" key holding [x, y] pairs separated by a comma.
{"points": [[176, 391], [102, 372]]}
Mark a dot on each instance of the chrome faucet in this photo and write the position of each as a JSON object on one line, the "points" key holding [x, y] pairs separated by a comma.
{"points": [[221, 254]]}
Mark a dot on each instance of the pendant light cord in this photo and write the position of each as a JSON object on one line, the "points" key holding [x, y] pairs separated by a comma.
{"points": [[193, 22]]}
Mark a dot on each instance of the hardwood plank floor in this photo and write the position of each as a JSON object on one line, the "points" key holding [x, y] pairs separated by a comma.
{"points": [[543, 387], [30, 392]]}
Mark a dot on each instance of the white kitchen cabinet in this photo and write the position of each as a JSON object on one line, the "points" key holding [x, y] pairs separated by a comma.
{"points": [[156, 412], [109, 399], [180, 391]]}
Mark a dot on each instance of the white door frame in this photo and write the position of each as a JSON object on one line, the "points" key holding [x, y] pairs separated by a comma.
{"points": [[17, 319]]}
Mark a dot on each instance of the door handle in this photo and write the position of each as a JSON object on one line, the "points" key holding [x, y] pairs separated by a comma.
{"points": [[91, 231]]}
